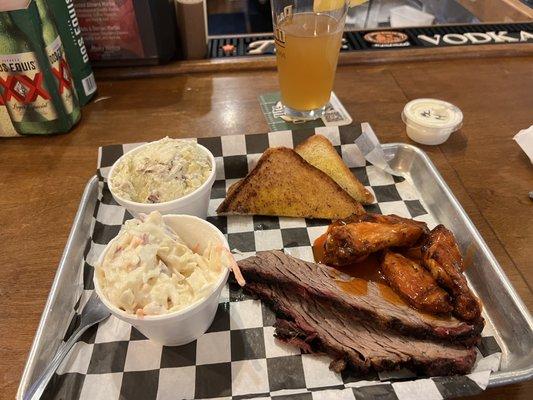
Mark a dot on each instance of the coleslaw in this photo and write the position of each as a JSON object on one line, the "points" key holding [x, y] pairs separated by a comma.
{"points": [[149, 270]]}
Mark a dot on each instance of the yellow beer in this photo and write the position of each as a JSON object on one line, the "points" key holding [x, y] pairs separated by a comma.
{"points": [[307, 48]]}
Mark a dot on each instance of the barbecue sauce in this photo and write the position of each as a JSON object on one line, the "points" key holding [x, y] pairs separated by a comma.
{"points": [[390, 295], [468, 259], [318, 248], [356, 286], [367, 269], [363, 272]]}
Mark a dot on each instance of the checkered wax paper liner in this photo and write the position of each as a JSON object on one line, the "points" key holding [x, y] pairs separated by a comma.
{"points": [[238, 357]]}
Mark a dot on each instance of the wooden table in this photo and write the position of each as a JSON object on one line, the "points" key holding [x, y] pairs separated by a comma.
{"points": [[42, 178]]}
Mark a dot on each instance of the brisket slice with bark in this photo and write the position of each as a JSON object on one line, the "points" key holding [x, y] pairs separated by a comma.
{"points": [[315, 326], [315, 281]]}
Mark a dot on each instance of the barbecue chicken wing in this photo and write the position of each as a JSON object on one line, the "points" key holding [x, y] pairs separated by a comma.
{"points": [[361, 235], [442, 258], [416, 285]]}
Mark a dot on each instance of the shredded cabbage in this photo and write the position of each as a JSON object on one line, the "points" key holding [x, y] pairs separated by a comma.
{"points": [[149, 270]]}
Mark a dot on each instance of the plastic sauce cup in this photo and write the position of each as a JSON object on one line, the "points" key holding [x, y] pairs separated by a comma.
{"points": [[431, 121], [188, 324]]}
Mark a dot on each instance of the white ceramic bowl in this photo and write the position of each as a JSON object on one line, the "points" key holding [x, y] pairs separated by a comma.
{"points": [[194, 203], [188, 324]]}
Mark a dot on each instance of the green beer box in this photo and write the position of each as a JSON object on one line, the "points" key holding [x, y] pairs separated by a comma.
{"points": [[77, 54], [35, 80]]}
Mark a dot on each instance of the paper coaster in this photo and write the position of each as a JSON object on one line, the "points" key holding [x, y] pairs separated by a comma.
{"points": [[336, 114]]}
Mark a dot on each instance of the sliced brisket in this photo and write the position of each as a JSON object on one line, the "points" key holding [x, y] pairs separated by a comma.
{"points": [[315, 326], [310, 281]]}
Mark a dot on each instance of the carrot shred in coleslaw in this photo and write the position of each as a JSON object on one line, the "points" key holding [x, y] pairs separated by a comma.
{"points": [[149, 270]]}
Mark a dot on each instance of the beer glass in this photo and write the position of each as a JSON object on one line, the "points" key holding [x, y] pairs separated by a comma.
{"points": [[308, 36]]}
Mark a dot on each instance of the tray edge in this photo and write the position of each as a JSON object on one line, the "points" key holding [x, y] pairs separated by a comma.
{"points": [[496, 378], [29, 365]]}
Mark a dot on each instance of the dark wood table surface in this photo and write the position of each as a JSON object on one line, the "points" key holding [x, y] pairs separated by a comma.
{"points": [[42, 178]]}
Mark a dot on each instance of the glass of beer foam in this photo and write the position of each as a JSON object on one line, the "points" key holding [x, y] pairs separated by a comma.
{"points": [[308, 36]]}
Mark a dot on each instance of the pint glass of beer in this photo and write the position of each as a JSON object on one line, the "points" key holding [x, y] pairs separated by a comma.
{"points": [[308, 36]]}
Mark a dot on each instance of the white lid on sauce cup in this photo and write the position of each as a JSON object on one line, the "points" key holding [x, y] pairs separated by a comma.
{"points": [[431, 121]]}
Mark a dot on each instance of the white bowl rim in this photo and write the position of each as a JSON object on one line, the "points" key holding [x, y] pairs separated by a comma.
{"points": [[175, 201], [190, 307]]}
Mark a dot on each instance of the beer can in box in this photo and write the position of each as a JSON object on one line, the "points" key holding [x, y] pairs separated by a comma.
{"points": [[6, 126], [77, 55], [35, 80]]}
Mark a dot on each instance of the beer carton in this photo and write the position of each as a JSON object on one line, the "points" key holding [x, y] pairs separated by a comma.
{"points": [[77, 55], [35, 79], [6, 126]]}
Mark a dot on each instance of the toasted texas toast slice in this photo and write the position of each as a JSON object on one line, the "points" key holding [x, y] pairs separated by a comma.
{"points": [[283, 184], [319, 152]]}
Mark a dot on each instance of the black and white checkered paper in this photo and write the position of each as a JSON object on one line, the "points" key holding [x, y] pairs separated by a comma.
{"points": [[238, 357]]}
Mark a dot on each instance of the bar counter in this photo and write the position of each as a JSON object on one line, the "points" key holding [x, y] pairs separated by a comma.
{"points": [[43, 177]]}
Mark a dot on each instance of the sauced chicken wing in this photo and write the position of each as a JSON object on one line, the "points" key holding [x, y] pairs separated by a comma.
{"points": [[359, 236], [416, 285], [379, 218], [442, 258], [413, 253]]}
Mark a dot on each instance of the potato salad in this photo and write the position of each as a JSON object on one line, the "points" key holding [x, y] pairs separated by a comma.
{"points": [[162, 171]]}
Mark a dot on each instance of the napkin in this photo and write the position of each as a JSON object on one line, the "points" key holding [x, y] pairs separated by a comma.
{"points": [[524, 138], [369, 145]]}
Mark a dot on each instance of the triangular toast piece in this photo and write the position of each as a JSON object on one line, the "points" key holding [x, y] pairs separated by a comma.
{"points": [[319, 152], [283, 184]]}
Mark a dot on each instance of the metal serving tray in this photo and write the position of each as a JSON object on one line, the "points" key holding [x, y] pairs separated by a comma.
{"points": [[505, 311]]}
